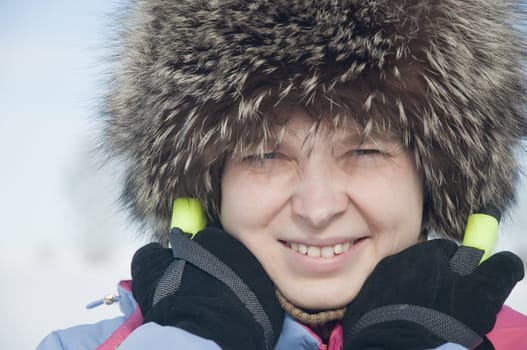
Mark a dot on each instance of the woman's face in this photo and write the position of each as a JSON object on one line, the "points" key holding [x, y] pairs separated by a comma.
{"points": [[321, 209]]}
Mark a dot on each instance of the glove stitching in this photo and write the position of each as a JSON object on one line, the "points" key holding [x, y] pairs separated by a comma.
{"points": [[186, 249], [440, 324], [170, 281]]}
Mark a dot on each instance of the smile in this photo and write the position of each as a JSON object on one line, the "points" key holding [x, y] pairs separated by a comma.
{"points": [[326, 252]]}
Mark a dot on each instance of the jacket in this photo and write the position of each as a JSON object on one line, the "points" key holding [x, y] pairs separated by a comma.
{"points": [[128, 333]]}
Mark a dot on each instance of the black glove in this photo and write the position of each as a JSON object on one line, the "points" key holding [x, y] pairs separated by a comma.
{"points": [[430, 294], [211, 286]]}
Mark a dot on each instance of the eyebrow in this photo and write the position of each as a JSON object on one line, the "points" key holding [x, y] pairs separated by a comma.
{"points": [[354, 137], [351, 136]]}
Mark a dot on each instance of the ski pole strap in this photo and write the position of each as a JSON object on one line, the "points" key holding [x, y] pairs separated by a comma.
{"points": [[438, 323], [186, 250], [170, 281]]}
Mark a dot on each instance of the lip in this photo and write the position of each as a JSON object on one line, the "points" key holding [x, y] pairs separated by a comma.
{"points": [[321, 265]]}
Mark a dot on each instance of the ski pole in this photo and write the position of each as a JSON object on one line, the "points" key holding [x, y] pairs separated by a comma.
{"points": [[481, 231]]}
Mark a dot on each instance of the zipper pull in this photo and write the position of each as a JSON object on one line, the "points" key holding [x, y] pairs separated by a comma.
{"points": [[108, 299]]}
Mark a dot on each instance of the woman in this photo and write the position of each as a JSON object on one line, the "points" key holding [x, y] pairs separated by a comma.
{"points": [[326, 141]]}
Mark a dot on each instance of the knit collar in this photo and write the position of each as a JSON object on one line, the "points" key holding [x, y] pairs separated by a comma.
{"points": [[308, 318]]}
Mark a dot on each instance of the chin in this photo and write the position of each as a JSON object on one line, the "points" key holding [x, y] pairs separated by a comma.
{"points": [[327, 300]]}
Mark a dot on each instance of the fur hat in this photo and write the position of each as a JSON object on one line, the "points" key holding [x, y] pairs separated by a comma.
{"points": [[197, 80]]}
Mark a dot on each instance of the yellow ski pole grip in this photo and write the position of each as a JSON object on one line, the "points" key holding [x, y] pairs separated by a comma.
{"points": [[188, 215], [482, 231]]}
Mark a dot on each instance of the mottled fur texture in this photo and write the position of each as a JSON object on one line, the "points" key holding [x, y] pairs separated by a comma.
{"points": [[195, 81]]}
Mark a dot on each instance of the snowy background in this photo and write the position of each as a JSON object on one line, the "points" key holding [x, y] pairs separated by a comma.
{"points": [[64, 242]]}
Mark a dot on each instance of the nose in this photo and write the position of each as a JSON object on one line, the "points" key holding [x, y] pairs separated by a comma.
{"points": [[318, 198]]}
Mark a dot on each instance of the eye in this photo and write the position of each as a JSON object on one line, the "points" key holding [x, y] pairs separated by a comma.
{"points": [[260, 157], [362, 152], [365, 158], [270, 155], [269, 160]]}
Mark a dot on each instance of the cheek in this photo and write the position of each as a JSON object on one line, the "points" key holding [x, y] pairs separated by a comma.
{"points": [[403, 208], [393, 208], [408, 211], [233, 209], [248, 201]]}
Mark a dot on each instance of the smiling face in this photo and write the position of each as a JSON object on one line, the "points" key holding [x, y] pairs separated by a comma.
{"points": [[321, 209]]}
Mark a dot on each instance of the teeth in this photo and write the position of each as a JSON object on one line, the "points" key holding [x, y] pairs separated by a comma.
{"points": [[313, 252], [324, 252], [327, 252]]}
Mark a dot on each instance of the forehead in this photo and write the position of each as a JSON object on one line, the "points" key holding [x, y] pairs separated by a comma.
{"points": [[305, 127], [308, 134]]}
